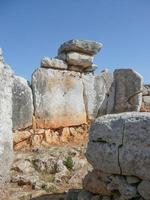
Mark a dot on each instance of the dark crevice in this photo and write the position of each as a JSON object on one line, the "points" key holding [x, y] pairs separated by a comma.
{"points": [[120, 146]]}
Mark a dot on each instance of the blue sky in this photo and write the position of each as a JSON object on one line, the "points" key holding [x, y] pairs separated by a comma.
{"points": [[31, 29]]}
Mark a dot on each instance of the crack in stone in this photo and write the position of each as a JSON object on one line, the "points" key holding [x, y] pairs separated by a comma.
{"points": [[120, 146], [130, 97]]}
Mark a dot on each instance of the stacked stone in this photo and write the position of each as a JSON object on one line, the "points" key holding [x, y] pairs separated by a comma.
{"points": [[74, 55], [146, 99], [62, 95], [119, 152]]}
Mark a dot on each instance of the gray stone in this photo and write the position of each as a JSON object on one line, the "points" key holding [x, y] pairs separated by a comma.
{"points": [[22, 103], [58, 98], [128, 90], [91, 68], [108, 100], [132, 179], [118, 183], [94, 93], [144, 189], [72, 194], [6, 140], [146, 90], [53, 63], [146, 99], [85, 195], [77, 59], [119, 144], [82, 46]]}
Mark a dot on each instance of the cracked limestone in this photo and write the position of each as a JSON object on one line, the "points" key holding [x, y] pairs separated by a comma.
{"points": [[119, 144]]}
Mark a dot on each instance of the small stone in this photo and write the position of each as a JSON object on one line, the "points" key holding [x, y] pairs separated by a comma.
{"points": [[65, 135], [132, 179], [53, 63], [144, 189], [36, 140]]}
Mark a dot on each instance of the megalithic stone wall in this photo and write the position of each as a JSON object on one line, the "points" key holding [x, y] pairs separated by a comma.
{"points": [[6, 137]]}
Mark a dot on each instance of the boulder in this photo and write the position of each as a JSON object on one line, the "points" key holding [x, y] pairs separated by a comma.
{"points": [[6, 140], [145, 104], [22, 103], [77, 59], [94, 94], [82, 46], [119, 144], [128, 90], [58, 98], [53, 63]]}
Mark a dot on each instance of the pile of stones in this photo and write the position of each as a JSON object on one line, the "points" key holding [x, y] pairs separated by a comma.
{"points": [[119, 152], [74, 55]]}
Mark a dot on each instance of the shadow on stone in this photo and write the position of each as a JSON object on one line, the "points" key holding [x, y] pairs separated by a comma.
{"points": [[50, 197]]}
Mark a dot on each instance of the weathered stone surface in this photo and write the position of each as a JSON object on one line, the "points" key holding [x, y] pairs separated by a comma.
{"points": [[85, 70], [58, 98], [146, 90], [145, 104], [108, 100], [132, 179], [94, 93], [144, 189], [128, 90], [6, 141], [119, 144], [82, 46], [96, 183], [77, 59], [53, 63], [22, 103]]}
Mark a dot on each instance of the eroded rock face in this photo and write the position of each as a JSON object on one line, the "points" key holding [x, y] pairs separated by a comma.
{"points": [[53, 63], [119, 144], [81, 46], [58, 98], [94, 93], [6, 140], [128, 90], [22, 103]]}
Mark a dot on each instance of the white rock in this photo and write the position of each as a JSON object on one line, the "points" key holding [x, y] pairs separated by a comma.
{"points": [[53, 63], [58, 98], [6, 140]]}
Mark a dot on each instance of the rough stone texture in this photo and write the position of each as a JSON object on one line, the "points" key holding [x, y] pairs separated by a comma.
{"points": [[96, 183], [108, 100], [82, 46], [6, 141], [144, 189], [22, 103], [122, 140], [146, 90], [53, 63], [58, 98], [94, 94], [77, 59], [128, 90]]}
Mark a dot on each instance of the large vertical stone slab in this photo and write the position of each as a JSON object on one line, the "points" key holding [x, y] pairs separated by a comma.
{"points": [[58, 98], [94, 94], [6, 140], [22, 103], [128, 90]]}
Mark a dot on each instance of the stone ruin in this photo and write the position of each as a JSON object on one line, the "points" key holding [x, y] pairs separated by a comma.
{"points": [[64, 97]]}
